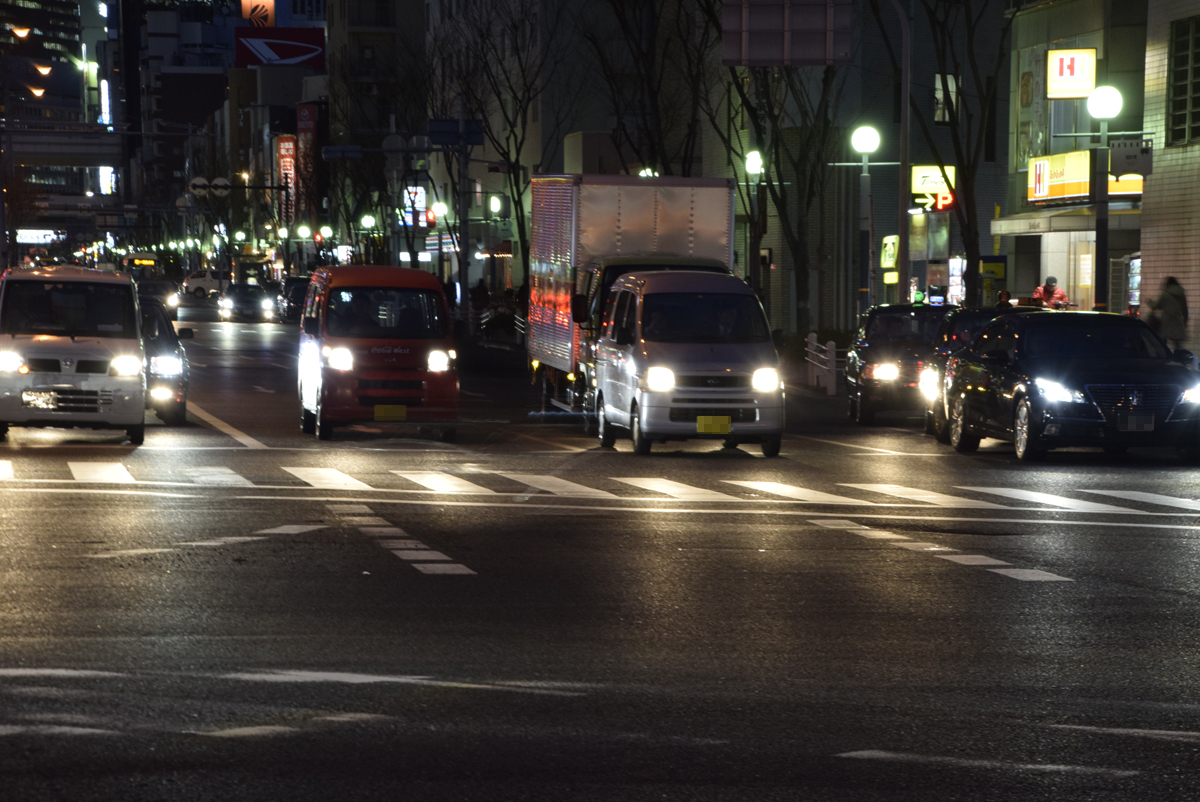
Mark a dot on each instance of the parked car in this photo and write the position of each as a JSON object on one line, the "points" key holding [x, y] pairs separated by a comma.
{"points": [[246, 302], [167, 368], [289, 304], [204, 283], [1057, 379], [893, 346], [167, 292]]}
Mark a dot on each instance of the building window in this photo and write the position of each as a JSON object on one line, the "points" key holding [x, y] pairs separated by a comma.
{"points": [[943, 107], [1183, 115]]}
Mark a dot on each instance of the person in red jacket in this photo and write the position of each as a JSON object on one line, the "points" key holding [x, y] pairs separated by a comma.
{"points": [[1050, 294]]}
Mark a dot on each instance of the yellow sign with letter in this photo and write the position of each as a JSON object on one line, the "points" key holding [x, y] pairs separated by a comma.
{"points": [[1067, 177], [1070, 73]]}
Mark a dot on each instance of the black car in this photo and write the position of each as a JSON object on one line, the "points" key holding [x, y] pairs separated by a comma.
{"points": [[167, 368], [290, 301], [1057, 379], [893, 346], [165, 291], [246, 302]]}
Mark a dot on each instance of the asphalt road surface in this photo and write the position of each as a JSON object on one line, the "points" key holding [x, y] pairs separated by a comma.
{"points": [[237, 611]]}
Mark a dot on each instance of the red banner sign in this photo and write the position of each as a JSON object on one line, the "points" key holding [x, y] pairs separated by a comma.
{"points": [[285, 152], [254, 46]]}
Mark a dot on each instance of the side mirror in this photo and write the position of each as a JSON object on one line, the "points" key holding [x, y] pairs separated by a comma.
{"points": [[1183, 355], [185, 334], [312, 326], [579, 308]]}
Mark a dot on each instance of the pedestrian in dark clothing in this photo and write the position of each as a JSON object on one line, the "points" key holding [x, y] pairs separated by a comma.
{"points": [[1171, 312], [1005, 301]]}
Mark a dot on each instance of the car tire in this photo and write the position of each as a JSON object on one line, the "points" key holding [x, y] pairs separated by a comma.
{"points": [[730, 442], [851, 408], [941, 426], [3, 431], [324, 427], [200, 293], [962, 438], [590, 419], [1026, 436], [136, 434], [449, 434], [771, 445], [604, 429], [174, 414], [864, 410], [308, 420], [930, 427], [641, 443]]}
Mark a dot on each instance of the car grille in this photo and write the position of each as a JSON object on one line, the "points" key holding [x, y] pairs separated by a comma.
{"points": [[735, 414], [1113, 399], [44, 365], [390, 384], [83, 400], [372, 400], [92, 366], [724, 380], [712, 400]]}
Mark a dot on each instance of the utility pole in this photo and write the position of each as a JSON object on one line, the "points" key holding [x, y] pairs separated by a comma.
{"points": [[464, 210]]}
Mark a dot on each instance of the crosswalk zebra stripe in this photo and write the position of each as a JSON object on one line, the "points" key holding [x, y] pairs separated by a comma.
{"points": [[101, 472], [443, 482], [1149, 498], [675, 489], [925, 496], [798, 493], [6, 469], [1052, 500], [218, 476], [557, 486], [327, 478]]}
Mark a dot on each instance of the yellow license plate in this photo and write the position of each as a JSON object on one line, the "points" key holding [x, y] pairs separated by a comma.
{"points": [[385, 412], [713, 424]]}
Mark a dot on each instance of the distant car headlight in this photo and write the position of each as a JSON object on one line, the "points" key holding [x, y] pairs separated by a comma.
{"points": [[225, 303], [10, 361], [1056, 393], [928, 384], [438, 361], [1191, 396], [162, 393], [340, 359], [267, 303], [765, 380], [173, 300], [886, 372], [126, 365], [166, 365], [660, 380]]}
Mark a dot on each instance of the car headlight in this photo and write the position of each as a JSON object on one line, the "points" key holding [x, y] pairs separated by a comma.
{"points": [[660, 380], [267, 303], [885, 371], [1056, 393], [225, 303], [340, 359], [765, 380], [10, 361], [1191, 396], [928, 384], [166, 365], [173, 300], [126, 365], [438, 361]]}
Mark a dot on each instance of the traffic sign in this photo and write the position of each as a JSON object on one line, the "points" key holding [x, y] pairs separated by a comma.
{"points": [[198, 186], [935, 201], [220, 187]]}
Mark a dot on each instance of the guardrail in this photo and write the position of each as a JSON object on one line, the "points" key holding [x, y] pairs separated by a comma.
{"points": [[822, 363]]}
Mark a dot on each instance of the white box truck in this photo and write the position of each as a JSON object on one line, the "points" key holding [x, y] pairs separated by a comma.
{"points": [[587, 231]]}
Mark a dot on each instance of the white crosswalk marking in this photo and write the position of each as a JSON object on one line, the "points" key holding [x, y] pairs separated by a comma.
{"points": [[327, 478], [1029, 575], [1052, 500], [675, 489], [218, 476], [559, 487], [798, 493], [925, 496], [102, 472], [1150, 498], [443, 482], [6, 471]]}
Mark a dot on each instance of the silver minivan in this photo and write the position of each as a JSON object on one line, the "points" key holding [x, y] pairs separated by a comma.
{"points": [[684, 355]]}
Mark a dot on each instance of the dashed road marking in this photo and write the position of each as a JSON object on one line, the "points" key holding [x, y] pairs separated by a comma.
{"points": [[291, 529], [926, 496], [1150, 498], [557, 486], [1052, 500], [798, 493], [972, 559], [1029, 575], [944, 760], [218, 476], [443, 482], [101, 472], [328, 479], [675, 489]]}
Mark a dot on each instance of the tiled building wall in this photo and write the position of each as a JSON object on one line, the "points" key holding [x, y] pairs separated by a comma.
{"points": [[1171, 201]]}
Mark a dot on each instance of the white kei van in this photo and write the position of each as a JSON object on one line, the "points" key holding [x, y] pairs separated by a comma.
{"points": [[71, 351], [686, 354]]}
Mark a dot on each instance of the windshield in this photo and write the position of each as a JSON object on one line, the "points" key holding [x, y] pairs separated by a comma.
{"points": [[964, 327], [685, 317], [246, 291], [1092, 338], [156, 287], [905, 324], [385, 313], [69, 309]]}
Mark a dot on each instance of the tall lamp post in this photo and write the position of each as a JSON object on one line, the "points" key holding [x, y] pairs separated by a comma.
{"points": [[368, 223], [754, 172], [865, 141], [1104, 103]]}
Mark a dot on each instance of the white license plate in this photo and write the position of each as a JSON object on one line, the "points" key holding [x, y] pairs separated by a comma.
{"points": [[39, 399], [714, 424], [1129, 422]]}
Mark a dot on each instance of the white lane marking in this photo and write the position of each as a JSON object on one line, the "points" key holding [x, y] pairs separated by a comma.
{"points": [[365, 520], [1029, 575], [108, 555], [221, 541], [6, 469], [443, 482], [58, 672], [837, 523], [262, 389], [401, 544], [971, 559], [926, 496], [559, 487], [349, 509], [362, 679], [415, 555], [1057, 768], [444, 568], [250, 732], [799, 493], [382, 531], [851, 445], [917, 546], [290, 529], [328, 479], [875, 534], [1180, 736], [1149, 498], [52, 729], [218, 476], [217, 423], [1052, 500], [101, 473], [675, 489]]}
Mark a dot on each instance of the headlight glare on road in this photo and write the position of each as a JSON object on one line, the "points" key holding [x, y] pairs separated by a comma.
{"points": [[10, 362], [884, 372], [1056, 393], [928, 384], [1191, 396], [438, 362], [765, 380], [166, 365], [340, 359], [126, 365], [660, 380]]}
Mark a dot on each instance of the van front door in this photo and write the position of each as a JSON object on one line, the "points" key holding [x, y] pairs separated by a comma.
{"points": [[611, 358]]}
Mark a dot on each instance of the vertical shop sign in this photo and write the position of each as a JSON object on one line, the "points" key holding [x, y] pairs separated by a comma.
{"points": [[286, 157], [306, 161]]}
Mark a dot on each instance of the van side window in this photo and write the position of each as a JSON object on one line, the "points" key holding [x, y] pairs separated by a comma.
{"points": [[627, 318], [617, 302]]}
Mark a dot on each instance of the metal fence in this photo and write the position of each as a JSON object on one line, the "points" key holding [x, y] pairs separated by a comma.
{"points": [[822, 362]]}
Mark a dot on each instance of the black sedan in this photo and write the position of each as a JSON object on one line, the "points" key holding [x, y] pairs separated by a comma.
{"points": [[290, 301], [165, 291], [246, 302], [885, 362], [167, 368], [1060, 379]]}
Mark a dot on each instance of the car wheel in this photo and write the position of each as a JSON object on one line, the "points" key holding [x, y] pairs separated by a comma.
{"points": [[200, 293], [961, 437], [608, 436], [641, 443], [941, 426], [449, 434], [590, 421], [771, 445], [3, 431], [324, 427], [864, 409], [174, 414], [1026, 437], [136, 434], [851, 408], [930, 426], [730, 442]]}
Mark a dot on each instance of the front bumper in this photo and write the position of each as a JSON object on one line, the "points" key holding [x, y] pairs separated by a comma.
{"points": [[673, 415], [1173, 430], [897, 394], [389, 396], [45, 400]]}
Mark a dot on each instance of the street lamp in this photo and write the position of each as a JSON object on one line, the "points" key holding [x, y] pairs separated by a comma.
{"points": [[755, 168], [1104, 103], [865, 141]]}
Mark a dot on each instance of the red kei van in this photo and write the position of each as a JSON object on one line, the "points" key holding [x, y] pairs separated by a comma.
{"points": [[376, 345]]}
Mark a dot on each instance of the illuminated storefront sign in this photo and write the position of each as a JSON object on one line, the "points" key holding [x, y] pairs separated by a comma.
{"points": [[927, 179], [1067, 177], [261, 13], [38, 236], [286, 156], [1070, 73]]}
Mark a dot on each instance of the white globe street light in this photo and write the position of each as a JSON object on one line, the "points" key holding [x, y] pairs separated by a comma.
{"points": [[368, 221], [440, 209], [326, 232], [303, 232], [865, 140], [754, 163], [1104, 102]]}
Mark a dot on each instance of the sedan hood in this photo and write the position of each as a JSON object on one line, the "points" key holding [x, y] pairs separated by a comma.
{"points": [[1077, 373], [700, 357], [896, 352], [47, 347]]}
